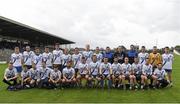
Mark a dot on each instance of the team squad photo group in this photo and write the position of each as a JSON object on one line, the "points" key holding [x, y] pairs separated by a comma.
{"points": [[59, 69]]}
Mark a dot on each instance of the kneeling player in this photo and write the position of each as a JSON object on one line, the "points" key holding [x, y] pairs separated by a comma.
{"points": [[25, 75], [160, 77], [55, 77], [83, 71], [33, 76], [146, 74], [105, 72], [10, 75], [43, 76], [117, 77], [69, 75], [94, 71]]}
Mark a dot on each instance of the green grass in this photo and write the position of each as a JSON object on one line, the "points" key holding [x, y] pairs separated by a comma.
{"points": [[93, 95]]}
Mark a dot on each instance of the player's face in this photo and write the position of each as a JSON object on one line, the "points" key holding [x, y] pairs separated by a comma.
{"points": [[115, 60], [10, 66], [94, 58], [154, 50], [16, 50], [136, 60], [166, 50], [68, 64], [119, 49], [56, 68], [143, 49], [56, 46], [76, 51], [159, 66], [46, 50], [37, 51], [108, 49], [126, 60], [147, 61], [105, 60], [28, 49], [97, 49], [83, 60], [65, 51], [131, 47]]}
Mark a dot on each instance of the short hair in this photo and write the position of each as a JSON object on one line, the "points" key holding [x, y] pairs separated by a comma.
{"points": [[143, 47]]}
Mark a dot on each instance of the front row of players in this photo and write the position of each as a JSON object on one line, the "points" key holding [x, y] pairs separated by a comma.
{"points": [[95, 74]]}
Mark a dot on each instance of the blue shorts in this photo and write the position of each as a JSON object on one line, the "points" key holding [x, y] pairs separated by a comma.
{"points": [[19, 69]]}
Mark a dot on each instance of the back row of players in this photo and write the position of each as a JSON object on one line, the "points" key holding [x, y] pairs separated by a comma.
{"points": [[60, 67]]}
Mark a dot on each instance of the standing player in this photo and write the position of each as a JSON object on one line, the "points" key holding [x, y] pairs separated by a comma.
{"points": [[105, 72], [65, 58], [116, 70], [94, 71], [168, 58], [37, 58], [160, 77], [55, 77], [76, 58], [83, 71], [47, 57], [69, 75], [143, 55], [57, 55], [132, 53], [98, 55], [10, 75], [155, 58], [87, 54], [16, 59], [27, 57], [126, 66], [146, 74]]}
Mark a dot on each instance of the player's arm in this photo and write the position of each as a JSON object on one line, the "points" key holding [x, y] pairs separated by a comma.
{"points": [[5, 77]]}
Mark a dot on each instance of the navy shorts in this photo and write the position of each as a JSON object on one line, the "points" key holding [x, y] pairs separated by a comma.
{"points": [[168, 70]]}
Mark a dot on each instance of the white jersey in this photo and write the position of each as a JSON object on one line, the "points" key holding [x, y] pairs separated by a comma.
{"points": [[83, 68], [147, 69], [68, 73], [160, 74], [37, 60], [44, 72], [10, 73], [47, 58], [16, 59], [142, 57], [116, 69], [167, 61], [25, 74], [33, 73], [27, 57], [137, 68], [87, 55], [57, 55], [65, 59], [94, 68], [76, 59], [126, 68], [99, 57], [55, 75], [105, 68]]}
